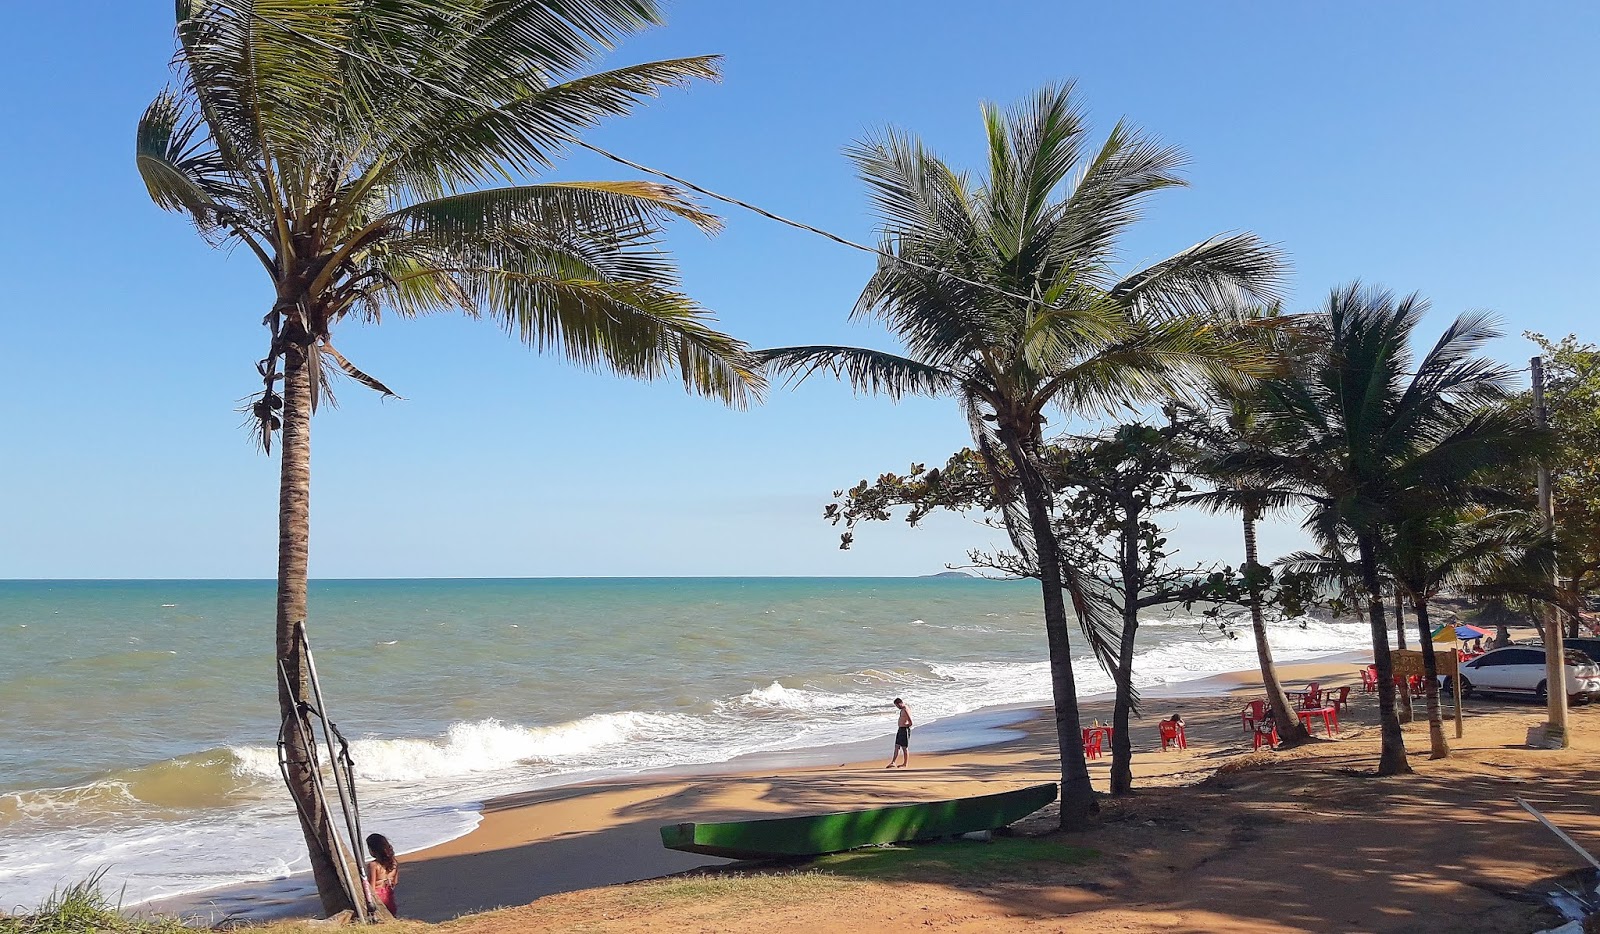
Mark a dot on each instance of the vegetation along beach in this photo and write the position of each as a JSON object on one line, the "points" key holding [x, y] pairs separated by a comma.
{"points": [[1195, 506]]}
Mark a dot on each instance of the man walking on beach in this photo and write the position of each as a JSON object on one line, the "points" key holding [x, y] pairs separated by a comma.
{"points": [[902, 736]]}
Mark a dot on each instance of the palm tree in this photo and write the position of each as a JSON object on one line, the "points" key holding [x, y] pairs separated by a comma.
{"points": [[1234, 427], [344, 144], [1368, 430], [1003, 294], [1430, 549]]}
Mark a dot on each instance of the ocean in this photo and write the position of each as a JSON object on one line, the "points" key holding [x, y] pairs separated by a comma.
{"points": [[137, 718]]}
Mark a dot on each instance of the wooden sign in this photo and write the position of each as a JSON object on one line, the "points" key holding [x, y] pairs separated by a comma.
{"points": [[1448, 664], [1408, 662]]}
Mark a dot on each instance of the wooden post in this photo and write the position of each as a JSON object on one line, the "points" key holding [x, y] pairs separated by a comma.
{"points": [[1555, 663], [1457, 666]]}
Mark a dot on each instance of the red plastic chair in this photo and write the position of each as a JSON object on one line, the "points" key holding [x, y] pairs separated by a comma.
{"points": [[1312, 697], [1416, 685], [1369, 679], [1172, 735], [1091, 743], [1338, 700], [1253, 713], [1270, 737]]}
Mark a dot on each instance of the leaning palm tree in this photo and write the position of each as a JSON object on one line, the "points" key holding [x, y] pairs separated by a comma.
{"points": [[1368, 429], [344, 144], [1003, 294], [1232, 426]]}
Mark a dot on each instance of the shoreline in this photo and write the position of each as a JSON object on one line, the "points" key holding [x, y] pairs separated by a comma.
{"points": [[506, 822]]}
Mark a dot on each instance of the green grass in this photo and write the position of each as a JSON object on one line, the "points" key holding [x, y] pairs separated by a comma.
{"points": [[960, 860], [84, 909]]}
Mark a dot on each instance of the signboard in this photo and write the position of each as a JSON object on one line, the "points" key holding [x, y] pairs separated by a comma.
{"points": [[1408, 662]]}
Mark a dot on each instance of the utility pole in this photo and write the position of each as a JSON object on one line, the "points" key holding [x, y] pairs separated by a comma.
{"points": [[1555, 663]]}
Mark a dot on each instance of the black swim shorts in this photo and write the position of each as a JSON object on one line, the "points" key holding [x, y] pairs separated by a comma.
{"points": [[902, 737]]}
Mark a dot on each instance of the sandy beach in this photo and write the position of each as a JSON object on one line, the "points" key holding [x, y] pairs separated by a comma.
{"points": [[1216, 838]]}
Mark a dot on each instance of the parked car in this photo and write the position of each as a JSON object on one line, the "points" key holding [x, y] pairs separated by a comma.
{"points": [[1519, 669], [1588, 645]]}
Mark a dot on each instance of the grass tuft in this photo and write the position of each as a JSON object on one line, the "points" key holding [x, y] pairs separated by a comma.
{"points": [[83, 908]]}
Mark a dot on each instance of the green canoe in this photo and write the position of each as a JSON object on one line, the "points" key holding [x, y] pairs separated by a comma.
{"points": [[816, 834]]}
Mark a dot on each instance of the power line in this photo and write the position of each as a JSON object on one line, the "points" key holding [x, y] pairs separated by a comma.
{"points": [[726, 199]]}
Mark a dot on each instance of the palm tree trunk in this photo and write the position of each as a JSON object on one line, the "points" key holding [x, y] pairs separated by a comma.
{"points": [[1439, 748], [1291, 732], [1405, 714], [1078, 803], [1392, 761], [294, 536]]}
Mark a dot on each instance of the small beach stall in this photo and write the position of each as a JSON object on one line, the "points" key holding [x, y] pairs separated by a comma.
{"points": [[1450, 633]]}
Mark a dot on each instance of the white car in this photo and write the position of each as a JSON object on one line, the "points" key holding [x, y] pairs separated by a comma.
{"points": [[1519, 669]]}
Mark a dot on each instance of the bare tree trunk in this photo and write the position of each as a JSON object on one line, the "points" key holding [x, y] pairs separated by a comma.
{"points": [[1078, 801], [1392, 761], [1438, 747], [1291, 732], [294, 536], [1404, 713], [1121, 739]]}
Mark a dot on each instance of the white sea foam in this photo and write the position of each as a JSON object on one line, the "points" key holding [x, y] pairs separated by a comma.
{"points": [[777, 697], [491, 745]]}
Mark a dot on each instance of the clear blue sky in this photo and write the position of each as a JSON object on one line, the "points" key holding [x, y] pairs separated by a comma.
{"points": [[1448, 148]]}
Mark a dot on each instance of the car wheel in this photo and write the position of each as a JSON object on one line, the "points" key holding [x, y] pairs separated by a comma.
{"points": [[1542, 692], [1466, 688]]}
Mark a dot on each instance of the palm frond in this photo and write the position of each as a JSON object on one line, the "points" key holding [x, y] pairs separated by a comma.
{"points": [[355, 372], [1212, 274], [1106, 201], [462, 146], [868, 371], [636, 329]]}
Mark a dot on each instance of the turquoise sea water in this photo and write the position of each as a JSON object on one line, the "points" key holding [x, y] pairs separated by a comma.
{"points": [[139, 716]]}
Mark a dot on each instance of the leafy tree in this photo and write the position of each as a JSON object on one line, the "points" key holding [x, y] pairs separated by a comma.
{"points": [[1108, 491], [1002, 292], [1112, 490], [1572, 404], [1368, 430], [343, 143]]}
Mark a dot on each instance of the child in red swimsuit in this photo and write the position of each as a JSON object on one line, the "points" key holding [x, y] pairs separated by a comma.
{"points": [[383, 873]]}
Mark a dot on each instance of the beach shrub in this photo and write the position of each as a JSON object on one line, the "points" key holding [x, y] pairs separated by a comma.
{"points": [[83, 908]]}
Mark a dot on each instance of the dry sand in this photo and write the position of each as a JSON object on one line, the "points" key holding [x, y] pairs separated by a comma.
{"points": [[1217, 838]]}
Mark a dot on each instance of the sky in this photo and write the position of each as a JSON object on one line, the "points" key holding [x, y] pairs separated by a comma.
{"points": [[1444, 148]]}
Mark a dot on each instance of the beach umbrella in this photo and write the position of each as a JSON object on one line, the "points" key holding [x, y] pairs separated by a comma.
{"points": [[1448, 633]]}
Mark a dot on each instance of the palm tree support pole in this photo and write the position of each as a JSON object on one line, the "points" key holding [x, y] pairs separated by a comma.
{"points": [[1555, 672]]}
